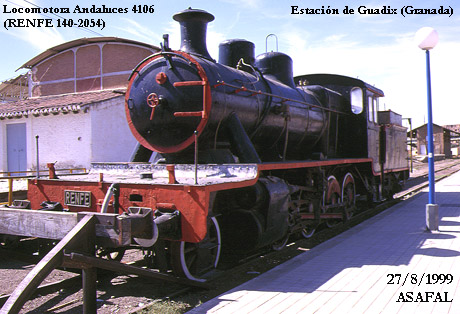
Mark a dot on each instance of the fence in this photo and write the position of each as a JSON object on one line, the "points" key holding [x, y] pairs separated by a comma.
{"points": [[15, 175]]}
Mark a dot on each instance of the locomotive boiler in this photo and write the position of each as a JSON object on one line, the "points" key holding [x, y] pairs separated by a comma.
{"points": [[245, 155], [247, 105]]}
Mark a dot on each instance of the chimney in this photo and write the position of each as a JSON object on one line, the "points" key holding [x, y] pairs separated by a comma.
{"points": [[193, 24]]}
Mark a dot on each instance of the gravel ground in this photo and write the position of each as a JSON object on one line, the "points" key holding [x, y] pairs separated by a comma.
{"points": [[116, 293]]}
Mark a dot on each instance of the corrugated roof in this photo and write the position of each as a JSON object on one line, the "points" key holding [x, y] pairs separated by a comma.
{"points": [[15, 87], [55, 104], [445, 129]]}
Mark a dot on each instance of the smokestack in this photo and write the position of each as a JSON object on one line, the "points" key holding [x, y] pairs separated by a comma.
{"points": [[193, 25]]}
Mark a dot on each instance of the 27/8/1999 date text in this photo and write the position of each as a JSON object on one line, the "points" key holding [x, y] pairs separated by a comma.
{"points": [[414, 279]]}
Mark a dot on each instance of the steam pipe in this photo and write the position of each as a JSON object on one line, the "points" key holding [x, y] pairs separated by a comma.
{"points": [[240, 141]]}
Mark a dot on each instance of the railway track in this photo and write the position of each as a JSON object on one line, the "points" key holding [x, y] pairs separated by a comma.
{"points": [[132, 294], [419, 179]]}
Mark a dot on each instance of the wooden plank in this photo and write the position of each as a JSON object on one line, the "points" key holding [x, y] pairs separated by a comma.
{"points": [[51, 261], [89, 275], [35, 223], [88, 261], [56, 225]]}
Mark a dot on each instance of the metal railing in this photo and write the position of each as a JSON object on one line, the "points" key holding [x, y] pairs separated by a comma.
{"points": [[15, 175], [33, 172]]}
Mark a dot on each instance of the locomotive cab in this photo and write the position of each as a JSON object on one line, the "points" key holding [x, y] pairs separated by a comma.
{"points": [[350, 129]]}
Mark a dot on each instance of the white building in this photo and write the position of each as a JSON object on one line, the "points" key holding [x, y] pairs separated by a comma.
{"points": [[72, 129], [75, 106]]}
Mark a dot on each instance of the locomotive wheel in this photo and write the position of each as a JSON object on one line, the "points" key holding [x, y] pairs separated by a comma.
{"points": [[193, 260], [309, 228], [291, 221], [281, 243], [308, 231], [349, 195], [332, 197]]}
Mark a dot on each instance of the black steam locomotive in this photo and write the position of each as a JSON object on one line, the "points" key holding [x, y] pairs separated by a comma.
{"points": [[319, 141], [245, 153]]}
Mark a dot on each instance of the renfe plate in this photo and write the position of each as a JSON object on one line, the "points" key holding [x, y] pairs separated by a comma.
{"points": [[77, 198]]}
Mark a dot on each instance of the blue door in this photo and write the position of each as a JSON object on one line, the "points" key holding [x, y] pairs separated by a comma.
{"points": [[16, 147]]}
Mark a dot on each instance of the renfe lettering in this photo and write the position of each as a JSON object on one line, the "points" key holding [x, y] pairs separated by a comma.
{"points": [[77, 198], [28, 23]]}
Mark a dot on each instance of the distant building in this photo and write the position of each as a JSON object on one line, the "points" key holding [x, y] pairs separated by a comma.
{"points": [[74, 104], [455, 140], [442, 140], [453, 127]]}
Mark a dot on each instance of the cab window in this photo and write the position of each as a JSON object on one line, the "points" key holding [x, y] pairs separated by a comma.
{"points": [[375, 101], [373, 108], [356, 95], [370, 109]]}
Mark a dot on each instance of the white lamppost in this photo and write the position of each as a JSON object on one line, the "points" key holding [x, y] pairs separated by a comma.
{"points": [[426, 39]]}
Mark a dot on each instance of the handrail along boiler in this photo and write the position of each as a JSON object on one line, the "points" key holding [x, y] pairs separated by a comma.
{"points": [[245, 154]]}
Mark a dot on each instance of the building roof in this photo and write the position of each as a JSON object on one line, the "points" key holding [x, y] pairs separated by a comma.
{"points": [[445, 129], [453, 127], [14, 88], [56, 104], [79, 42]]}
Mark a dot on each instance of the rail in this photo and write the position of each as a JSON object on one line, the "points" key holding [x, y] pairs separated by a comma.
{"points": [[15, 175]]}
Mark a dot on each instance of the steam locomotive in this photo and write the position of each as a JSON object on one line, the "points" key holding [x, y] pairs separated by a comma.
{"points": [[244, 154]]}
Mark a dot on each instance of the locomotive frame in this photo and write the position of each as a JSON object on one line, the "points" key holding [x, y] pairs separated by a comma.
{"points": [[247, 155]]}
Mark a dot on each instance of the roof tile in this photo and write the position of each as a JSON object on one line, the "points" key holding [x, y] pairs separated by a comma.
{"points": [[56, 103]]}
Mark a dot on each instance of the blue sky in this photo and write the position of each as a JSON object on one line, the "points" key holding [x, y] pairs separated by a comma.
{"points": [[377, 48]]}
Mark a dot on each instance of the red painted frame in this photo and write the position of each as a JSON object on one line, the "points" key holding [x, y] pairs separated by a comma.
{"points": [[192, 201]]}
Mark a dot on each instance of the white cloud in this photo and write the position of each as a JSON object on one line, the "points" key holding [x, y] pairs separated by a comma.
{"points": [[139, 32], [335, 38], [246, 3], [173, 29], [39, 37], [213, 40]]}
